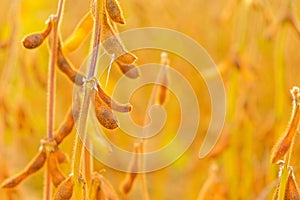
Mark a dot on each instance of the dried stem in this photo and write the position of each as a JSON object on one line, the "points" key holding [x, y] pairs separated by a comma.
{"points": [[77, 154], [51, 83], [51, 87], [78, 147], [51, 70], [47, 192], [96, 40], [88, 166]]}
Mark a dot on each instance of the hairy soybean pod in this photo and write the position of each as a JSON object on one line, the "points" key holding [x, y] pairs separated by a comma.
{"points": [[65, 129], [105, 115], [101, 95], [36, 164], [64, 65], [53, 167], [65, 189], [95, 187], [127, 183], [113, 45], [36, 39], [283, 144], [61, 156], [102, 189], [163, 80], [292, 189], [129, 70], [114, 11]]}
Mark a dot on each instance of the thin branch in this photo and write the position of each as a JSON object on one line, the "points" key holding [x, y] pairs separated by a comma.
{"points": [[51, 87], [55, 20], [96, 40], [78, 147]]}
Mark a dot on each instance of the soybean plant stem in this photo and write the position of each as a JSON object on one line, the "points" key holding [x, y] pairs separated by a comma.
{"points": [[51, 70], [96, 41], [51, 87], [78, 146]]}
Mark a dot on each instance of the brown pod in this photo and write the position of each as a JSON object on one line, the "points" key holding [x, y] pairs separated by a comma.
{"points": [[163, 80], [53, 167], [64, 65], [284, 143], [36, 164], [106, 191], [14, 181], [113, 45], [61, 156], [162, 92], [95, 187], [36, 39], [65, 189], [127, 183], [101, 95], [126, 58], [105, 115], [131, 71], [65, 129], [114, 11], [32, 41], [291, 190]]}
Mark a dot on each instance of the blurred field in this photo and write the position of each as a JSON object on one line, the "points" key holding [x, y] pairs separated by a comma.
{"points": [[259, 62]]}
